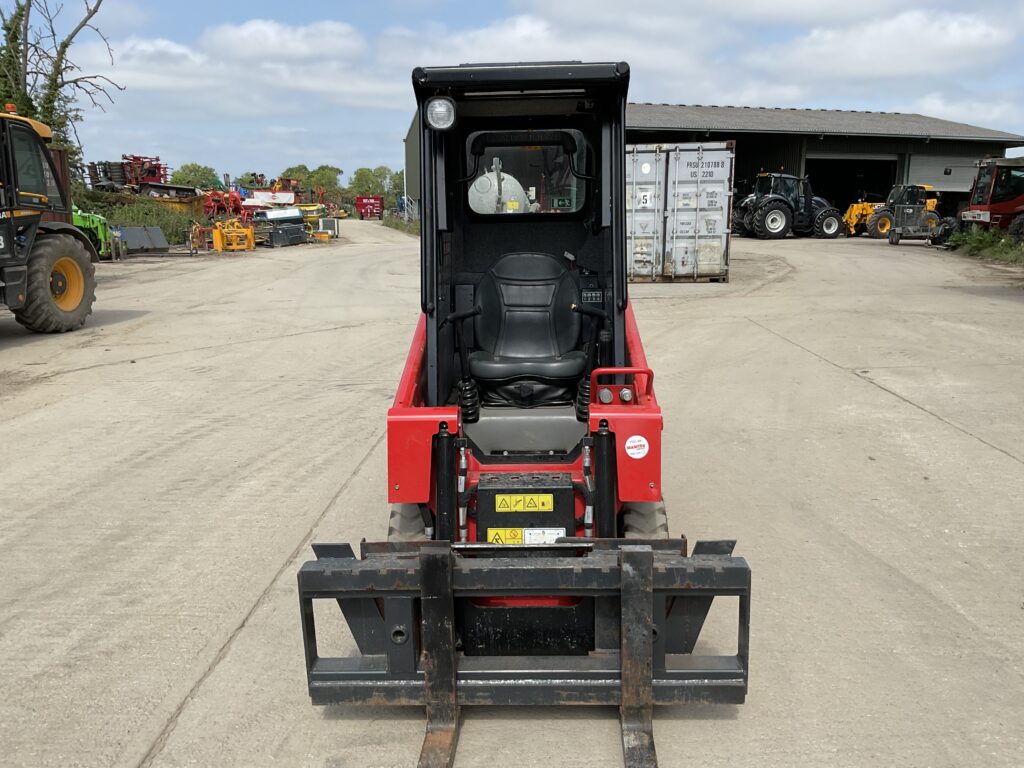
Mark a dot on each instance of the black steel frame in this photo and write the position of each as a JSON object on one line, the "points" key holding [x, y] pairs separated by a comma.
{"points": [[400, 602]]}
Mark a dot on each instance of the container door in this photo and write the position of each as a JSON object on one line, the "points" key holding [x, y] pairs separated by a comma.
{"points": [[645, 185], [697, 224]]}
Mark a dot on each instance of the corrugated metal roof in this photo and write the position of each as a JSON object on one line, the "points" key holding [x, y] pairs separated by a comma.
{"points": [[689, 117]]}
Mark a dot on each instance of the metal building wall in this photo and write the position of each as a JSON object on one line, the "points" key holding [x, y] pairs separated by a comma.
{"points": [[412, 159]]}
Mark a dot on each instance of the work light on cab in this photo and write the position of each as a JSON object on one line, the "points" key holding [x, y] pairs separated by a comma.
{"points": [[441, 113]]}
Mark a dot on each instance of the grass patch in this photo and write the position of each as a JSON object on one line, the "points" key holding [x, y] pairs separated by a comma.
{"points": [[127, 210], [994, 244], [411, 227]]}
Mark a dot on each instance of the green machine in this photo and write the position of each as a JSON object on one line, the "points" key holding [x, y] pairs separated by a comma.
{"points": [[96, 229]]}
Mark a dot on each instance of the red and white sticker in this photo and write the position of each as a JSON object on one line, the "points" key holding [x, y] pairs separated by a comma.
{"points": [[637, 447]]}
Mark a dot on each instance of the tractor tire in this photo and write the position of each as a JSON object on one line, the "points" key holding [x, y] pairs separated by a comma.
{"points": [[773, 221], [931, 220], [739, 228], [828, 224], [1016, 230], [944, 231], [61, 286], [894, 237], [644, 520], [879, 224], [406, 523]]}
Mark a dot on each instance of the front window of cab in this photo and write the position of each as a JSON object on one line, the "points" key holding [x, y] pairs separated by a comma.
{"points": [[982, 186], [528, 178], [37, 185]]}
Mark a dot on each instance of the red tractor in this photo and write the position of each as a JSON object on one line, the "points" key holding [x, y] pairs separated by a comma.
{"points": [[370, 206], [997, 197], [528, 557]]}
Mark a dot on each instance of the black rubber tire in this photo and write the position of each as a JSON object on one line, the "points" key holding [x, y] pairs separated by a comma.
{"points": [[40, 312], [765, 213], [1016, 230], [894, 237], [828, 223], [406, 523], [738, 227], [931, 220], [873, 228], [644, 520]]}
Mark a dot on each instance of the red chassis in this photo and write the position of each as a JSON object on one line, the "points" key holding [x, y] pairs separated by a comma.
{"points": [[637, 425]]}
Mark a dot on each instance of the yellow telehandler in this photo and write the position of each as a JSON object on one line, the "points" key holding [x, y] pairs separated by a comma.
{"points": [[47, 265]]}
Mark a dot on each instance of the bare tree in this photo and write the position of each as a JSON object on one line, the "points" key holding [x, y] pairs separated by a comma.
{"points": [[36, 70]]}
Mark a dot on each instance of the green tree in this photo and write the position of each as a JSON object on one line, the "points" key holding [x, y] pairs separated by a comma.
{"points": [[300, 172], [371, 181], [325, 176], [37, 73], [196, 175]]}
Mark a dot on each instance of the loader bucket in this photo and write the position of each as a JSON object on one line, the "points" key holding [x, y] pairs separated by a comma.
{"points": [[403, 603]]}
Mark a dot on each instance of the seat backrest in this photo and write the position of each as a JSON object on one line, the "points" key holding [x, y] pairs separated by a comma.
{"points": [[525, 304]]}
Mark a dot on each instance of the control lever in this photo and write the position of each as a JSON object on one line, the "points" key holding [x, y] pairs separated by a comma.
{"points": [[599, 333], [469, 394]]}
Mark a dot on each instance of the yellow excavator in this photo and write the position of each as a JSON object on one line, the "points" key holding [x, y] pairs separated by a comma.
{"points": [[47, 265], [876, 219]]}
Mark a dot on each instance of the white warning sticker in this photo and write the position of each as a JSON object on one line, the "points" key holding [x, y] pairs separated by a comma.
{"points": [[542, 535], [636, 447]]}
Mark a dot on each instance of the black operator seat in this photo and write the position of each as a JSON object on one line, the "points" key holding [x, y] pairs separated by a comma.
{"points": [[526, 330]]}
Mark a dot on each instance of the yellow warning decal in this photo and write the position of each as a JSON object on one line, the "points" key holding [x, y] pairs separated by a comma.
{"points": [[524, 502], [505, 535]]}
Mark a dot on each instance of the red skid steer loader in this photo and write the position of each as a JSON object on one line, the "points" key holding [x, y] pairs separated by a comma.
{"points": [[528, 559]]}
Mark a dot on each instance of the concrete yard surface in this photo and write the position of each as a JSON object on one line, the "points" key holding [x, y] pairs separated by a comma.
{"points": [[851, 412]]}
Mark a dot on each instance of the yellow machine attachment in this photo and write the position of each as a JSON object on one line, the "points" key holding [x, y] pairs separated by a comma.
{"points": [[856, 217], [232, 236]]}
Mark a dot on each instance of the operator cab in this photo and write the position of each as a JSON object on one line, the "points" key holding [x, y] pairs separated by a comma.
{"points": [[522, 288]]}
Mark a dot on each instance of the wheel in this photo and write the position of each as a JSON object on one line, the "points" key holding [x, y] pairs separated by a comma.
{"points": [[61, 286], [931, 220], [940, 235], [406, 523], [1016, 230], [879, 224], [772, 222], [858, 230], [644, 520], [738, 227], [894, 237], [828, 223]]}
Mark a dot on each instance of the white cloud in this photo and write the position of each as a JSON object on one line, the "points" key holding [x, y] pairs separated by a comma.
{"points": [[264, 40], [325, 87], [1005, 108], [910, 44]]}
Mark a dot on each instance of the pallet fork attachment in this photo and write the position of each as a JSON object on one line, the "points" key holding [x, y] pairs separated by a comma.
{"points": [[651, 599]]}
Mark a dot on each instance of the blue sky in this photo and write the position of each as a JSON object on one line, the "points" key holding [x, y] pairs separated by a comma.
{"points": [[263, 85]]}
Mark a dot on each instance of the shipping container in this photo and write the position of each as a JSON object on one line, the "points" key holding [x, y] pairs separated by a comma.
{"points": [[678, 207]]}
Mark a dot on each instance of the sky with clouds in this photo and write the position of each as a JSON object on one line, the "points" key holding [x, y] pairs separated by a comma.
{"points": [[265, 84]]}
